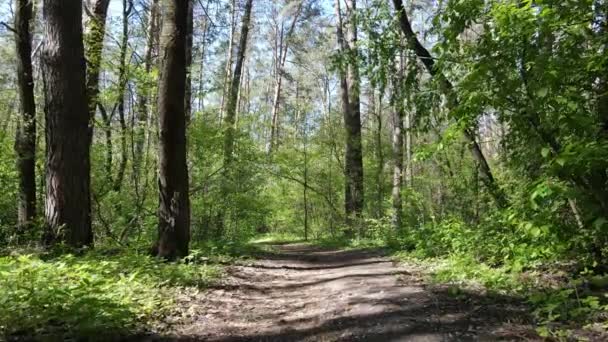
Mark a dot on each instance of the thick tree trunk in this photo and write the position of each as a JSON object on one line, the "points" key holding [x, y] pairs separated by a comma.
{"points": [[352, 122], [448, 89], [231, 107], [25, 142], [174, 202], [68, 131], [97, 11], [345, 100]]}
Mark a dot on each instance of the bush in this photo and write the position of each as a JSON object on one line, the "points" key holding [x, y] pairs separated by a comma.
{"points": [[82, 296]]}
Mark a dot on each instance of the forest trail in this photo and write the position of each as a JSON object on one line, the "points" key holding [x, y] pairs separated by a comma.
{"points": [[304, 293]]}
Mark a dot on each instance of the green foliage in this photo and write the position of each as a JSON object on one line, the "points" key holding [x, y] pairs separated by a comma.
{"points": [[105, 291], [8, 182]]}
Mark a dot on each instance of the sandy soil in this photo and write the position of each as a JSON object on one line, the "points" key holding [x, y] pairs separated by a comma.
{"points": [[303, 293]]}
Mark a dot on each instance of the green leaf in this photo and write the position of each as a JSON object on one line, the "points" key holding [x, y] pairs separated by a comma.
{"points": [[545, 152], [542, 92]]}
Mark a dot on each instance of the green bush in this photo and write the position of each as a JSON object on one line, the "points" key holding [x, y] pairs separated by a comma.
{"points": [[85, 295]]}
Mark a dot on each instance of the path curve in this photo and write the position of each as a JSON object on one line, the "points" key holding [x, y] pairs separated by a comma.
{"points": [[304, 293]]}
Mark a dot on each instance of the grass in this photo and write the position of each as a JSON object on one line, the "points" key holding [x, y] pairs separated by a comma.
{"points": [[565, 305], [53, 297]]}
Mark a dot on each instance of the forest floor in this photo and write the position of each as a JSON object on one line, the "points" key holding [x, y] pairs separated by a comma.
{"points": [[299, 292]]}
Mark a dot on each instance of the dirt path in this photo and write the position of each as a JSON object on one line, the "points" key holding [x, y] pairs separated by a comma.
{"points": [[302, 293]]}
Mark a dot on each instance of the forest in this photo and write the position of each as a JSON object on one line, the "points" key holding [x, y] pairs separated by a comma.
{"points": [[304, 170]]}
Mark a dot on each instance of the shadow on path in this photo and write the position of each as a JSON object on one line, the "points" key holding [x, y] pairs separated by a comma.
{"points": [[304, 293]]}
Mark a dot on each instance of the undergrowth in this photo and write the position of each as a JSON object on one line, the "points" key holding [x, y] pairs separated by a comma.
{"points": [[112, 292]]}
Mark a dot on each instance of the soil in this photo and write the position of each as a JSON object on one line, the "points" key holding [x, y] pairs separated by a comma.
{"points": [[305, 293]]}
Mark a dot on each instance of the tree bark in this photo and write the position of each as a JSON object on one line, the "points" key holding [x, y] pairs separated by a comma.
{"points": [[229, 59], [352, 122], [189, 44], [398, 116], [229, 120], [68, 131], [97, 11], [25, 142], [127, 6], [377, 113], [143, 90], [174, 202], [448, 89]]}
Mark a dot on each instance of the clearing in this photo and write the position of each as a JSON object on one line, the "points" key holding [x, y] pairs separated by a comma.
{"points": [[305, 293]]}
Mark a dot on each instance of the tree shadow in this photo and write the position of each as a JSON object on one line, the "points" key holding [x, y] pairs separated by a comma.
{"points": [[441, 317]]}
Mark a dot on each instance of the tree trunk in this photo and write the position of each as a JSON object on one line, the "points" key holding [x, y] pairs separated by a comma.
{"points": [[409, 175], [189, 44], [229, 59], [143, 90], [174, 202], [448, 89], [281, 57], [201, 79], [97, 11], [229, 120], [377, 113], [25, 142], [68, 131], [107, 128], [398, 116], [352, 122], [127, 6]]}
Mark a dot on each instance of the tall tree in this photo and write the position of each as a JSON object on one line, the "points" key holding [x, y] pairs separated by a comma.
{"points": [[97, 11], [398, 142], [229, 59], [189, 45], [68, 131], [282, 46], [143, 88], [235, 84], [353, 160], [427, 60], [174, 201], [127, 7], [25, 142]]}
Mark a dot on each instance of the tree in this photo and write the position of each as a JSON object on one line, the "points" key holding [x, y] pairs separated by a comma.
{"points": [[97, 11], [446, 86], [25, 142], [127, 7], [174, 201], [143, 88], [235, 83], [398, 142], [282, 41], [68, 130], [189, 45], [229, 60], [350, 90]]}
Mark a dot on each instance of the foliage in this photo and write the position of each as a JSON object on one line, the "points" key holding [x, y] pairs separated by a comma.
{"points": [[112, 291]]}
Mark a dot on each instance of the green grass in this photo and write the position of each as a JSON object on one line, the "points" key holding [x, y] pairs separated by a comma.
{"points": [[83, 296], [565, 306]]}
